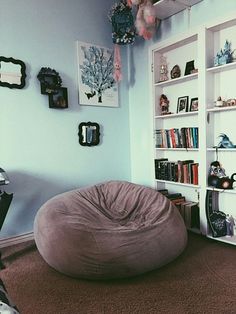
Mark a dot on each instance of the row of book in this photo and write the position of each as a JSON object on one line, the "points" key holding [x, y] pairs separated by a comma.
{"points": [[182, 171], [189, 210], [177, 138]]}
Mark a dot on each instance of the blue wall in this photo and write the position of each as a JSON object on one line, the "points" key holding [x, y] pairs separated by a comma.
{"points": [[141, 123], [39, 146]]}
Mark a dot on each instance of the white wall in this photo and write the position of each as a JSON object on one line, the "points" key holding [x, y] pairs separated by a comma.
{"points": [[39, 146], [141, 123]]}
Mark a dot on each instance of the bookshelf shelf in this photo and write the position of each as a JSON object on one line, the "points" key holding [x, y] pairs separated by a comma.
{"points": [[221, 109], [221, 68], [221, 150], [176, 149], [177, 115], [232, 191], [207, 84], [179, 183], [178, 80]]}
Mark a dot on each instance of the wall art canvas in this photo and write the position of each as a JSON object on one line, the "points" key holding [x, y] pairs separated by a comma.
{"points": [[97, 86]]}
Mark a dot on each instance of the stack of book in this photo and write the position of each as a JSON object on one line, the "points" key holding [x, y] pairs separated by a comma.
{"points": [[189, 210], [177, 138], [182, 171]]}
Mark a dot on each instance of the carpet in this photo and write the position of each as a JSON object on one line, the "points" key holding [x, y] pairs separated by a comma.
{"points": [[201, 280]]}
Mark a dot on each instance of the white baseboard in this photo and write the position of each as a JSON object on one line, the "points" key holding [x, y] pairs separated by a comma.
{"points": [[16, 239]]}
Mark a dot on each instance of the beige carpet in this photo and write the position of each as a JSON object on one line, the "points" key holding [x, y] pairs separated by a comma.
{"points": [[201, 280]]}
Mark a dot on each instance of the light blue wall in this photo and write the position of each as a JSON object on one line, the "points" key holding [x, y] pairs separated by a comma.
{"points": [[141, 122], [39, 146]]}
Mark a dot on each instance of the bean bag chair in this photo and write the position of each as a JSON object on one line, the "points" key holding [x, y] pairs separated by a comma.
{"points": [[110, 230]]}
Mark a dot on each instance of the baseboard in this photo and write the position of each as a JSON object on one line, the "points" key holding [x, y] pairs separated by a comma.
{"points": [[17, 239]]}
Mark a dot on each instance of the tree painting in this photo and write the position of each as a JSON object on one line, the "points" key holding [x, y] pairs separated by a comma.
{"points": [[96, 74]]}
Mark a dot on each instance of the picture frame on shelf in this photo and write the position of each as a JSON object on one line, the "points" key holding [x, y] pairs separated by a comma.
{"points": [[194, 104], [182, 104], [189, 67], [59, 100]]}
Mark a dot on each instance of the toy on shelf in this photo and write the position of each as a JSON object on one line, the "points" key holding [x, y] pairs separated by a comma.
{"points": [[225, 55], [217, 177], [225, 142], [163, 69], [164, 105], [225, 103]]}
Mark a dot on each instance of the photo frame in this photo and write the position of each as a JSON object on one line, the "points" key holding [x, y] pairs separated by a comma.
{"points": [[96, 84], [60, 99], [182, 104], [193, 104], [189, 67]]}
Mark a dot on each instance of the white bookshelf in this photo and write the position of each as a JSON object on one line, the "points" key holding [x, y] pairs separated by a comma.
{"points": [[207, 84]]}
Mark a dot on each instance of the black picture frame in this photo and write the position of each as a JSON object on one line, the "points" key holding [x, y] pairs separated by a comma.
{"points": [[50, 81], [189, 67], [21, 73], [193, 104], [182, 104], [89, 133], [59, 100]]}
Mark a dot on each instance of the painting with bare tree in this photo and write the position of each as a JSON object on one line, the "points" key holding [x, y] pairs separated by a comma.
{"points": [[97, 86]]}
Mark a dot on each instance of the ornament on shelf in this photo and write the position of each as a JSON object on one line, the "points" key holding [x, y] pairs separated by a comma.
{"points": [[217, 177], [225, 142], [224, 55], [164, 105], [163, 69], [175, 72]]}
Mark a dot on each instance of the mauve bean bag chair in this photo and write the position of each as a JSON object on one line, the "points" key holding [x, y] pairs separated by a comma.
{"points": [[110, 230]]}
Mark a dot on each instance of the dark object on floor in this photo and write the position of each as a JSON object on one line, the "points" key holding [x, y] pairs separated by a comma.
{"points": [[110, 230], [6, 305]]}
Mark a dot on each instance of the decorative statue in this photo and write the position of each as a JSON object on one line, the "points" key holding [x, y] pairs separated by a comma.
{"points": [[217, 177], [225, 142], [164, 104], [225, 55], [163, 69]]}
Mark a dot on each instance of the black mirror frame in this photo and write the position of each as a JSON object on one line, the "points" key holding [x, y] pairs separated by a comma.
{"points": [[23, 73], [97, 135]]}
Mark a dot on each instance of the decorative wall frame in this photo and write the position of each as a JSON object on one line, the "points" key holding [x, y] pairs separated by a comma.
{"points": [[59, 99], [89, 133], [96, 84], [12, 73], [50, 80]]}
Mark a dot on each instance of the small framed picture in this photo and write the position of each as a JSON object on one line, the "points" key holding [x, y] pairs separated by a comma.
{"points": [[59, 100], [194, 104], [182, 105], [189, 67]]}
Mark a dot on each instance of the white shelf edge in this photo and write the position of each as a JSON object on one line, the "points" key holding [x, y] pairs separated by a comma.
{"points": [[176, 115], [221, 109], [181, 79], [179, 183], [225, 150], [222, 68], [232, 191], [177, 148]]}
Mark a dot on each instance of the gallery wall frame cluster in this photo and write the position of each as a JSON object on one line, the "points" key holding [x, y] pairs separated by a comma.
{"points": [[50, 84]]}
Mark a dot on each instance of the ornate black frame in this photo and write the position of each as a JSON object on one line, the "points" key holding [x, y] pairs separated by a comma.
{"points": [[23, 72], [95, 140], [50, 80]]}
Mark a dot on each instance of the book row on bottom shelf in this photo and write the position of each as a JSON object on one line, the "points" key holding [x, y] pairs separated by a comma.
{"points": [[177, 138], [189, 210], [182, 171]]}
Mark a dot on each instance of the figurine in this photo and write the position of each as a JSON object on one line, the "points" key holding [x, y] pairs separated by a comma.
{"points": [[164, 104], [175, 72], [163, 70], [225, 55], [225, 142]]}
